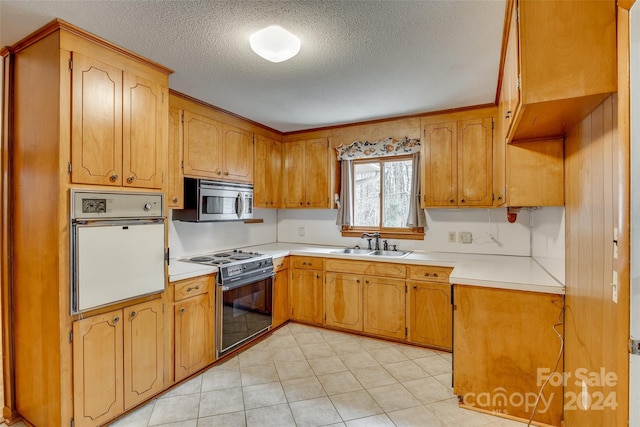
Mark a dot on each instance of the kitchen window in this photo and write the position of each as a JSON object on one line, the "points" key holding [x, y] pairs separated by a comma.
{"points": [[379, 193]]}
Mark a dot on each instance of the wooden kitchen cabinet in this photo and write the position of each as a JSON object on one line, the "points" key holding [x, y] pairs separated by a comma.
{"points": [[193, 315], [119, 361], [457, 161], [118, 133], [560, 63], [306, 289], [306, 180], [384, 307], [281, 291], [501, 339], [343, 301], [535, 173], [216, 150], [429, 313], [267, 168], [175, 177]]}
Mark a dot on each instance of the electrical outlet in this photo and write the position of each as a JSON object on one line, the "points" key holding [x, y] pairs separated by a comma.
{"points": [[452, 237], [301, 231], [465, 237]]}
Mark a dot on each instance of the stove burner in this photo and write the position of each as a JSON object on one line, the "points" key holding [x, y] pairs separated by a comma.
{"points": [[220, 262], [222, 255], [201, 259]]}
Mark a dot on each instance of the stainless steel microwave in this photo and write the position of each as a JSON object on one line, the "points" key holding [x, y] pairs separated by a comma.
{"points": [[206, 200]]}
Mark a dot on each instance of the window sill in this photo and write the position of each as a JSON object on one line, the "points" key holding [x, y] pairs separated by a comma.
{"points": [[402, 234]]}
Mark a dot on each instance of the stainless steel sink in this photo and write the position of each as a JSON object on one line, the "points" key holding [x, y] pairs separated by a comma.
{"points": [[390, 253], [352, 251]]}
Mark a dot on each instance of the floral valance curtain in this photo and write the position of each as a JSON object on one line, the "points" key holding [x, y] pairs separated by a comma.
{"points": [[382, 148]]}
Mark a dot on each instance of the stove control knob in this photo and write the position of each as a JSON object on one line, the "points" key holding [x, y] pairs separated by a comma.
{"points": [[147, 207]]}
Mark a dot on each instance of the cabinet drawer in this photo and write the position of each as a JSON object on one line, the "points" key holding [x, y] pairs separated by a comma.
{"points": [[368, 268], [432, 274], [192, 287], [280, 264], [308, 263]]}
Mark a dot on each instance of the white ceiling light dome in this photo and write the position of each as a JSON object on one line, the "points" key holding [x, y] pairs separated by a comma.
{"points": [[275, 44]]}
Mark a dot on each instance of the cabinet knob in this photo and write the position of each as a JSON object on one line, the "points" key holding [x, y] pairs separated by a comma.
{"points": [[113, 178], [308, 203], [218, 172], [174, 200], [317, 276], [130, 179], [182, 310], [226, 173], [463, 201], [415, 287], [451, 201], [133, 314], [301, 203], [357, 280], [116, 319], [435, 274], [426, 274]]}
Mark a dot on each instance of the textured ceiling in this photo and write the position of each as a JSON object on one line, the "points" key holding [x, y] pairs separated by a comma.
{"points": [[359, 60]]}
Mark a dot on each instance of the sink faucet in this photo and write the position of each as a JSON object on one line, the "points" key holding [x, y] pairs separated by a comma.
{"points": [[376, 235]]}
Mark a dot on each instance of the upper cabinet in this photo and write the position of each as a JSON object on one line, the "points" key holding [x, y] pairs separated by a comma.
{"points": [[267, 169], [560, 62], [306, 181], [118, 132], [202, 143], [457, 164]]}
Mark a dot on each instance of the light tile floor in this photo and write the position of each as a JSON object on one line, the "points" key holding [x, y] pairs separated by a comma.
{"points": [[305, 376]]}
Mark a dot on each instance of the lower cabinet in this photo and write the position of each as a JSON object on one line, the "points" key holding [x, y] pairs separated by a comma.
{"points": [[118, 361], [384, 307], [343, 301], [429, 314], [280, 291], [193, 325], [306, 289]]}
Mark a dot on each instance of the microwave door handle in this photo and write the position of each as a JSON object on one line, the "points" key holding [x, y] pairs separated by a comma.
{"points": [[239, 205]]}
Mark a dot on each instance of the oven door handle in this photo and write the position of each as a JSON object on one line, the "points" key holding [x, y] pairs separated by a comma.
{"points": [[242, 283]]}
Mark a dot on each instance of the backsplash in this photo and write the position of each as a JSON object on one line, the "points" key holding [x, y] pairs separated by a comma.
{"points": [[547, 239], [189, 238], [318, 227]]}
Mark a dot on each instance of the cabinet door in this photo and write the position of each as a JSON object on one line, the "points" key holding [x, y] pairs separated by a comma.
{"points": [[343, 301], [429, 311], [175, 185], [97, 369], [316, 173], [306, 295], [294, 172], [193, 335], [267, 170], [511, 77], [281, 298], [144, 133], [96, 122], [475, 162], [384, 307], [237, 154], [143, 352], [202, 145], [440, 163]]}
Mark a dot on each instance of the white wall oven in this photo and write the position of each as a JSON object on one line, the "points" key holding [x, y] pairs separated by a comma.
{"points": [[118, 247]]}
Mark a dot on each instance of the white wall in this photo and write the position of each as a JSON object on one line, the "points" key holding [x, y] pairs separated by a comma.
{"points": [[510, 239], [188, 238], [547, 239]]}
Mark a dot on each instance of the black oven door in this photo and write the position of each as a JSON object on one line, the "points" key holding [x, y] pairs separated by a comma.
{"points": [[243, 311]]}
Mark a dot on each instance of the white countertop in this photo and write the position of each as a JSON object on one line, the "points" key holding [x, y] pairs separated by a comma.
{"points": [[495, 271]]}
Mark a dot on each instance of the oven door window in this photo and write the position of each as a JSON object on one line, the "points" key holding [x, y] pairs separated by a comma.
{"points": [[246, 311]]}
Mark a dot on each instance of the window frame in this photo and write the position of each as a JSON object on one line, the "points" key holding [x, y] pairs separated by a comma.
{"points": [[406, 233]]}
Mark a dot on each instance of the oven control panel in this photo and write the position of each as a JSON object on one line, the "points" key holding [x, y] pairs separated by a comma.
{"points": [[112, 205]]}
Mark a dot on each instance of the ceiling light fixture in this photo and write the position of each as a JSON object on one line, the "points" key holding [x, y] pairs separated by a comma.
{"points": [[275, 44]]}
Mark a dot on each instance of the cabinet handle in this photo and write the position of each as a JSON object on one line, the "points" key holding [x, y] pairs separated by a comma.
{"points": [[116, 319], [218, 172], [174, 200], [130, 179], [426, 274], [301, 203], [226, 173], [182, 310], [317, 276], [357, 280], [415, 287], [451, 201], [194, 288], [366, 281], [508, 114], [113, 178], [133, 314], [463, 200], [308, 203], [435, 274]]}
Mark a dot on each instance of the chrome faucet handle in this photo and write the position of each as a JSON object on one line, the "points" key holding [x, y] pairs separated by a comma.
{"points": [[394, 247], [369, 244], [385, 245]]}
